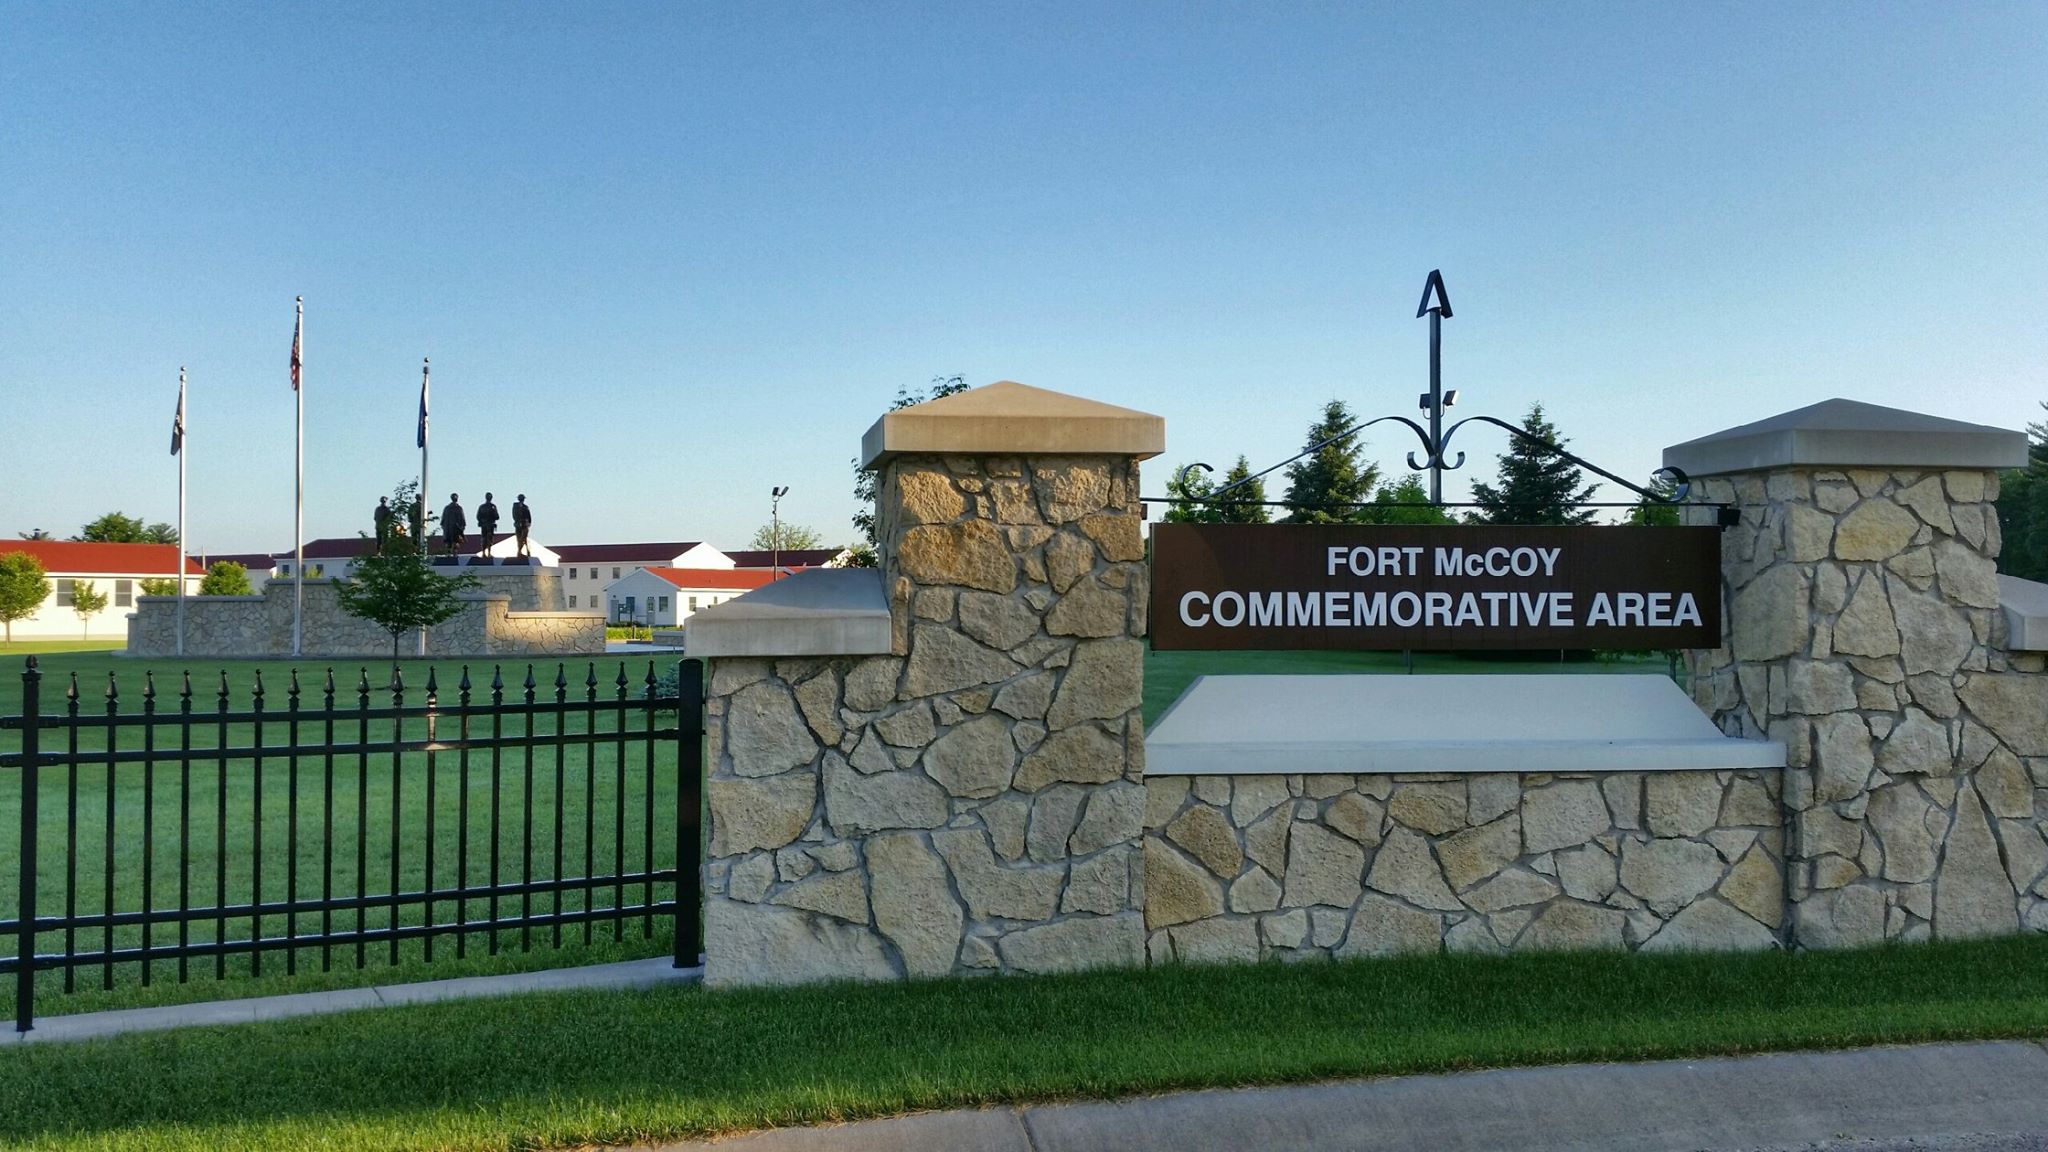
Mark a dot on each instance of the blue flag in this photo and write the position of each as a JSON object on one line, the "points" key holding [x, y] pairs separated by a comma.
{"points": [[421, 439]]}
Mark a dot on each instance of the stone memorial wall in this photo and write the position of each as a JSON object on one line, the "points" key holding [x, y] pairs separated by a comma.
{"points": [[970, 801], [1864, 631], [1260, 867], [941, 771], [513, 614]]}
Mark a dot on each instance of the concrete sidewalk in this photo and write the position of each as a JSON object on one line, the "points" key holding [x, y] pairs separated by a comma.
{"points": [[89, 1025], [1978, 1096]]}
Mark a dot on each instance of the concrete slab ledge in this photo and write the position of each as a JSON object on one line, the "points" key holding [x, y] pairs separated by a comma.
{"points": [[816, 612], [1248, 725], [92, 1025], [2025, 603]]}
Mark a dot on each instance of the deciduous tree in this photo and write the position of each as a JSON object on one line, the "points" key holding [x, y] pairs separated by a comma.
{"points": [[2023, 510], [792, 537], [226, 578], [24, 585], [119, 528], [1407, 502], [864, 480], [86, 600], [398, 590]]}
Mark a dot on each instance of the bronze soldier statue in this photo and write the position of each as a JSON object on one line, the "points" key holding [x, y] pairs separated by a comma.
{"points": [[382, 517], [486, 523], [453, 523], [522, 521]]}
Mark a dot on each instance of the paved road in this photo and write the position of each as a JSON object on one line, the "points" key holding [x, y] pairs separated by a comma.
{"points": [[1989, 1097]]}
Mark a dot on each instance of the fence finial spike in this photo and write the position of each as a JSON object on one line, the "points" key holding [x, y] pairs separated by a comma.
{"points": [[71, 693], [397, 680], [293, 691], [561, 677], [113, 689], [433, 686], [330, 682], [223, 693], [363, 685], [257, 691], [590, 678], [621, 681], [186, 691], [464, 685], [149, 685]]}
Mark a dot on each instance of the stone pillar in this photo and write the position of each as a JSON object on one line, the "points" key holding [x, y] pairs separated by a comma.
{"points": [[1861, 627], [937, 769]]}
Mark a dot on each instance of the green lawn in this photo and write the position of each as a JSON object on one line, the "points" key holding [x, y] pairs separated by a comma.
{"points": [[18, 648], [588, 805], [615, 1067]]}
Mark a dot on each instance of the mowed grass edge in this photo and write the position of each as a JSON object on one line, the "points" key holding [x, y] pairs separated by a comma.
{"points": [[564, 1070]]}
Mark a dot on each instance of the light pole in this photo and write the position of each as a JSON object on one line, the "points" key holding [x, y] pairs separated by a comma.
{"points": [[775, 496]]}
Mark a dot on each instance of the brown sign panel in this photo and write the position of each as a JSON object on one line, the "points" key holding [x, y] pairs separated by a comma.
{"points": [[1434, 587]]}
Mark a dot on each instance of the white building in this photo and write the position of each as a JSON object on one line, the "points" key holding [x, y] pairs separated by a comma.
{"points": [[114, 570], [587, 570], [665, 597]]}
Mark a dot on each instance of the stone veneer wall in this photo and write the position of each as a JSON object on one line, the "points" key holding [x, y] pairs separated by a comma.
{"points": [[1253, 867], [1864, 632], [972, 802], [261, 625]]}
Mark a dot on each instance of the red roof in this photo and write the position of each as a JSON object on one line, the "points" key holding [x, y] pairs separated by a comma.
{"points": [[740, 578], [606, 553], [64, 557]]}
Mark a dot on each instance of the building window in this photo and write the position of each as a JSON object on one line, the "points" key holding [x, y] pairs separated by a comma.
{"points": [[615, 571], [64, 591], [572, 573], [693, 603], [664, 605], [124, 593], [572, 601]]}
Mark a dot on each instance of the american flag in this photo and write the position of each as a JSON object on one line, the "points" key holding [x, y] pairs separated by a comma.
{"points": [[421, 437], [297, 326]]}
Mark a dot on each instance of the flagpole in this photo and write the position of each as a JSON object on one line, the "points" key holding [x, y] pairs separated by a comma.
{"points": [[299, 485], [181, 512], [425, 364]]}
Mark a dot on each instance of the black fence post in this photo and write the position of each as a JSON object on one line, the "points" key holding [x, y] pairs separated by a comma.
{"points": [[31, 751], [689, 806]]}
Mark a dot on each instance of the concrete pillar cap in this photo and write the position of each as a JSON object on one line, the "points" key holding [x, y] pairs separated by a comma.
{"points": [[1011, 419], [1850, 434]]}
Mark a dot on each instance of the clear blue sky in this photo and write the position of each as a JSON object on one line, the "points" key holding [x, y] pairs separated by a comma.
{"points": [[667, 256]]}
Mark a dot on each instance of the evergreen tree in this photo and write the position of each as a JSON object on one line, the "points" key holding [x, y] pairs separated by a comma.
{"points": [[1537, 486], [1192, 491], [1409, 492], [1660, 511], [1320, 485], [24, 585], [2022, 508], [1243, 505]]}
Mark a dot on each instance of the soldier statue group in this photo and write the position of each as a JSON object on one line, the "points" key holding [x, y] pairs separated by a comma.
{"points": [[455, 523]]}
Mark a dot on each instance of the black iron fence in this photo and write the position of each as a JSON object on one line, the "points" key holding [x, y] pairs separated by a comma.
{"points": [[189, 838]]}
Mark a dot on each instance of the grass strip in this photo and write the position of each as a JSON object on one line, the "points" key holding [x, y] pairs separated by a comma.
{"points": [[616, 1067]]}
